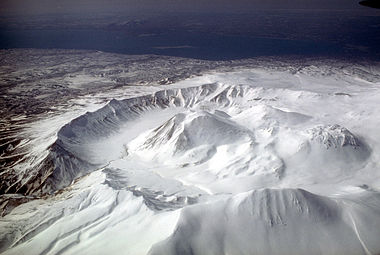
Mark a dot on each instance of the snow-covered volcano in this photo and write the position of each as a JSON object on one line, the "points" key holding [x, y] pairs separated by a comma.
{"points": [[254, 161]]}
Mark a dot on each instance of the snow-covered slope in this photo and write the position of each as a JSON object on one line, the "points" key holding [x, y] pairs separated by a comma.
{"points": [[286, 221], [254, 161]]}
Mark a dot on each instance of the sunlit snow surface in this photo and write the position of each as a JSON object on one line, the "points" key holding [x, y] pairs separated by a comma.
{"points": [[276, 158]]}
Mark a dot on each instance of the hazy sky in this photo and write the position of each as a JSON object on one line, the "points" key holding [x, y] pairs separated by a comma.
{"points": [[74, 6]]}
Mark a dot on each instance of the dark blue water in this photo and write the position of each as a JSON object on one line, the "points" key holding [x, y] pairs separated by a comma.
{"points": [[183, 44]]}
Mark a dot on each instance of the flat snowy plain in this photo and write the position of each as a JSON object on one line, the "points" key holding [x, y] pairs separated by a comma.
{"points": [[249, 157]]}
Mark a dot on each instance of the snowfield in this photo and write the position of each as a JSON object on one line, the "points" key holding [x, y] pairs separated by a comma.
{"points": [[271, 159]]}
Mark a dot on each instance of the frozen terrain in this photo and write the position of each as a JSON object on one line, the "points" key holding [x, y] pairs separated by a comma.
{"points": [[241, 157]]}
